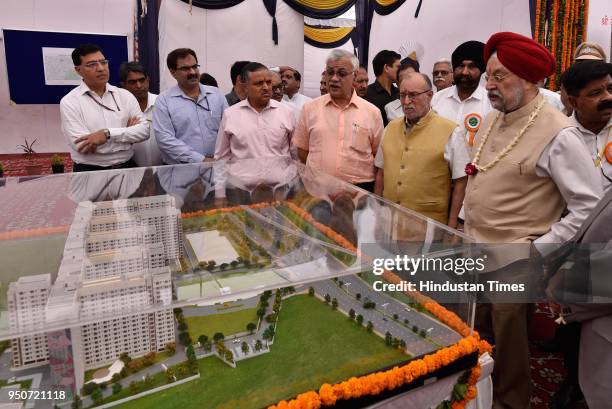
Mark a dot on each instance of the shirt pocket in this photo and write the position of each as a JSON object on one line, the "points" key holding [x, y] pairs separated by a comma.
{"points": [[275, 138], [359, 140]]}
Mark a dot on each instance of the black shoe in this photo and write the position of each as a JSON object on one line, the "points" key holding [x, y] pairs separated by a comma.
{"points": [[567, 396]]}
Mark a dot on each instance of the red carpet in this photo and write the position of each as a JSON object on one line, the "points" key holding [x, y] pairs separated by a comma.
{"points": [[547, 370]]}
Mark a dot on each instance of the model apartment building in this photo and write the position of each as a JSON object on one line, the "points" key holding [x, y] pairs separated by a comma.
{"points": [[115, 265]]}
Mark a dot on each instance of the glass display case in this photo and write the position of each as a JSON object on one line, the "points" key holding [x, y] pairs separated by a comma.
{"points": [[217, 285]]}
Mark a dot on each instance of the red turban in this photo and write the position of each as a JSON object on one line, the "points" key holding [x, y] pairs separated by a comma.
{"points": [[523, 56]]}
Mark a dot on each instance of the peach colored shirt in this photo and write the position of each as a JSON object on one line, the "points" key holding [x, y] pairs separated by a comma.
{"points": [[340, 141]]}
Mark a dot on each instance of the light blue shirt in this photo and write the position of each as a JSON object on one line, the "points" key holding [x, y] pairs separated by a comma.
{"points": [[186, 130]]}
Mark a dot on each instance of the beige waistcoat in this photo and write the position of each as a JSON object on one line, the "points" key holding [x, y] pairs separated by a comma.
{"points": [[416, 175], [509, 203]]}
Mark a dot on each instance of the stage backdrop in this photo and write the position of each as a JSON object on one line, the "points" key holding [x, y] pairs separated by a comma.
{"points": [[220, 37], [441, 26]]}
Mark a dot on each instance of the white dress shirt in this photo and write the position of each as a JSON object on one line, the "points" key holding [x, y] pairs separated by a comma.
{"points": [[553, 98], [296, 103], [84, 112], [567, 162], [595, 146], [146, 153], [394, 110], [447, 104]]}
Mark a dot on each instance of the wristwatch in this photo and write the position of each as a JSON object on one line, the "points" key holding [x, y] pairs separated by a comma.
{"points": [[107, 134]]}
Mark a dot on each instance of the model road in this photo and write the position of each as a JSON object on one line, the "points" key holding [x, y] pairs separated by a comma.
{"points": [[440, 334], [382, 317]]}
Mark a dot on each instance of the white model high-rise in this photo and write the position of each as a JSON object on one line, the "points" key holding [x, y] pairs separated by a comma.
{"points": [[115, 264]]}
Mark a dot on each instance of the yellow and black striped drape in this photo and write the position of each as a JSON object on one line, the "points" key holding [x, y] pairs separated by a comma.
{"points": [[321, 9], [327, 37]]}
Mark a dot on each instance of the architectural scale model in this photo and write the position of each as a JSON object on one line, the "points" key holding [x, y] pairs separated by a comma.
{"points": [[116, 259], [125, 256]]}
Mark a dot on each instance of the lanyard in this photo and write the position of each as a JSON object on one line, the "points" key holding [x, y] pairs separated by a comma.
{"points": [[104, 106]]}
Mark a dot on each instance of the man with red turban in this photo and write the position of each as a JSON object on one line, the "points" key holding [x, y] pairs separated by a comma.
{"points": [[531, 181]]}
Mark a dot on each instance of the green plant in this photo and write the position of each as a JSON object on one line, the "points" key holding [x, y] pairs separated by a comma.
{"points": [[57, 160], [26, 147]]}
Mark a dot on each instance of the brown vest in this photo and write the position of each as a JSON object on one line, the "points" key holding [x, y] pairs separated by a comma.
{"points": [[509, 202], [416, 174]]}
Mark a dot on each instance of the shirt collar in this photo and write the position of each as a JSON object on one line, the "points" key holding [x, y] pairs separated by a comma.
{"points": [[150, 101], [586, 131], [295, 97], [478, 94], [246, 104], [176, 91], [378, 88], [328, 100], [84, 88], [421, 122]]}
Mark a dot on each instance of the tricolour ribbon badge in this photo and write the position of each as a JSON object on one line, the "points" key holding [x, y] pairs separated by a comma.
{"points": [[472, 124]]}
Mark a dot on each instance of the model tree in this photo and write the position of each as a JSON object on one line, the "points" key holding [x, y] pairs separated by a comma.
{"points": [[370, 326], [352, 314], [96, 396], [359, 319], [190, 353], [245, 347], [171, 348], [334, 304], [218, 337], [251, 327], [117, 388]]}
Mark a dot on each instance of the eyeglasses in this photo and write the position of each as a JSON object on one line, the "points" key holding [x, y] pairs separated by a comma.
{"points": [[187, 69], [340, 73], [496, 78], [411, 95], [94, 64]]}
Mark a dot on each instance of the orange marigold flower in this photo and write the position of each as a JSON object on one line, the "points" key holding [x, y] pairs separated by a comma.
{"points": [[328, 397]]}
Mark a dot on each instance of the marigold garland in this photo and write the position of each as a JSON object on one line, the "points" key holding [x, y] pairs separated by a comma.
{"points": [[374, 384], [560, 25]]}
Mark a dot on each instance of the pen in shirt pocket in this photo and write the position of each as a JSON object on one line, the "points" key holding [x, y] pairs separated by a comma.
{"points": [[355, 132]]}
